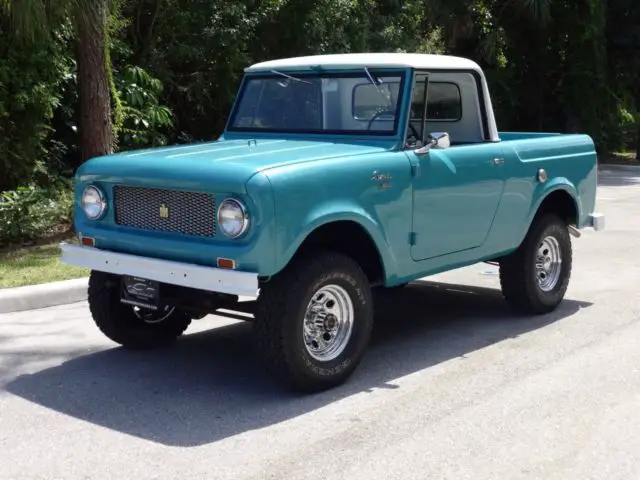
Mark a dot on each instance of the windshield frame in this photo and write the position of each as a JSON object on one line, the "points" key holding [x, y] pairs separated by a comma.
{"points": [[352, 72]]}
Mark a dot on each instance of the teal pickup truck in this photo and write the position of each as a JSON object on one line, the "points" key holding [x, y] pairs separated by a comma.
{"points": [[336, 175]]}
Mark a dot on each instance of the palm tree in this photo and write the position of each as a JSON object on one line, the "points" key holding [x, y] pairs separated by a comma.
{"points": [[456, 17], [32, 18]]}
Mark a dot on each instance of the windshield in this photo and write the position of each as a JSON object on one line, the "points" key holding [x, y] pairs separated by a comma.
{"points": [[337, 103]]}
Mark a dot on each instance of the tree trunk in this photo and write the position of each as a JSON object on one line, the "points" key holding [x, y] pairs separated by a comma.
{"points": [[96, 130]]}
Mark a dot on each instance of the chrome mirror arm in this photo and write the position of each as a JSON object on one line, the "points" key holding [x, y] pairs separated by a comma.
{"points": [[437, 140]]}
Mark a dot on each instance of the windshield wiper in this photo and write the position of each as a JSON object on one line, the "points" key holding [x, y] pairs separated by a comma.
{"points": [[290, 77], [366, 70], [377, 85]]}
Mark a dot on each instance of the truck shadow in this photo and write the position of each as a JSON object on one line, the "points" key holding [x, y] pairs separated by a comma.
{"points": [[209, 387]]}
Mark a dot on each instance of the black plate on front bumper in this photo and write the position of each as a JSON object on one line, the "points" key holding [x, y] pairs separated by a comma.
{"points": [[140, 292]]}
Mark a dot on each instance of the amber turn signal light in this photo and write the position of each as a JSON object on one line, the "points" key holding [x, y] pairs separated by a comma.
{"points": [[88, 241], [226, 263]]}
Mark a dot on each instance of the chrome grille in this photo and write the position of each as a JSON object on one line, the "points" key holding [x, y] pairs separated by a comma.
{"points": [[191, 213]]}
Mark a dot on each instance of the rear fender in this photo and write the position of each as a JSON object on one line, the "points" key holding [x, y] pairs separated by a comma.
{"points": [[542, 192]]}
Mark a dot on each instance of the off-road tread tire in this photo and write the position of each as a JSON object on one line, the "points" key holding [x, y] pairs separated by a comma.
{"points": [[118, 322], [517, 270], [278, 310]]}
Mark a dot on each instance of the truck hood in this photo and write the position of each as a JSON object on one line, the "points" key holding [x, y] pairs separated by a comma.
{"points": [[223, 165]]}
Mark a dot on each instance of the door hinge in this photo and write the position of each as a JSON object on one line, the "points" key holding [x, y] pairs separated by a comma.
{"points": [[412, 238], [415, 170]]}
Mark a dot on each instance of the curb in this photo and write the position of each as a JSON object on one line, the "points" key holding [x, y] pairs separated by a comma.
{"points": [[32, 297]]}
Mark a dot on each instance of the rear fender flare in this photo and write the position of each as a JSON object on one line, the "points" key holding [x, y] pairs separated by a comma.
{"points": [[542, 192]]}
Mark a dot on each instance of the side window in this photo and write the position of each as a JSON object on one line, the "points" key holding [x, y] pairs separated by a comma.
{"points": [[444, 103], [417, 103]]}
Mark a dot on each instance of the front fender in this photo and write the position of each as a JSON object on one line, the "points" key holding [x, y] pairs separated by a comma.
{"points": [[334, 212]]}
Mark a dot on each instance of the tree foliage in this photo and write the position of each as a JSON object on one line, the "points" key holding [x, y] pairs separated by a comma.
{"points": [[33, 78], [173, 66]]}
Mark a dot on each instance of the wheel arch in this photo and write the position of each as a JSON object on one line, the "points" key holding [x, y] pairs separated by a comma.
{"points": [[356, 236], [561, 200], [558, 196]]}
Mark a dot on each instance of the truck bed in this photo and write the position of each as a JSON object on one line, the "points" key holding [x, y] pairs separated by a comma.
{"points": [[569, 159]]}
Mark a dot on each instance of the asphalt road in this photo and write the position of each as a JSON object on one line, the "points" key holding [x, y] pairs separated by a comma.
{"points": [[454, 387]]}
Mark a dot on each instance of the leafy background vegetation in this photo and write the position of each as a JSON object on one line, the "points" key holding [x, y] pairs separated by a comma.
{"points": [[172, 68]]}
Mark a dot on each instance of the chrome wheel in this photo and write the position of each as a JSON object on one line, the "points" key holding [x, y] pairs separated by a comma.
{"points": [[153, 316], [548, 263], [328, 323]]}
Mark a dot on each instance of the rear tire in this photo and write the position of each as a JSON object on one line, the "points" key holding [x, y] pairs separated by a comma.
{"points": [[313, 321], [535, 278], [120, 323]]}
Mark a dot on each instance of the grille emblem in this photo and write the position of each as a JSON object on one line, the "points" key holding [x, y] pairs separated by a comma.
{"points": [[164, 211]]}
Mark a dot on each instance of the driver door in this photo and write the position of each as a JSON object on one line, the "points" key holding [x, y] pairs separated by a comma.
{"points": [[456, 190]]}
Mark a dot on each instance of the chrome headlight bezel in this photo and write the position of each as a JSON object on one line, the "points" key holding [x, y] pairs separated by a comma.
{"points": [[98, 200], [241, 215]]}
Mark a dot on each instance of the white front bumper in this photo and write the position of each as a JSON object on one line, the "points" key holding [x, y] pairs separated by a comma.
{"points": [[184, 274]]}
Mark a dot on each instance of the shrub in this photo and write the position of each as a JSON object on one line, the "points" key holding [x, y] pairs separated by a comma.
{"points": [[30, 213]]}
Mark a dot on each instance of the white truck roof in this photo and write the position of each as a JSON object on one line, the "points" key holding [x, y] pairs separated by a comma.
{"points": [[371, 60], [421, 61]]}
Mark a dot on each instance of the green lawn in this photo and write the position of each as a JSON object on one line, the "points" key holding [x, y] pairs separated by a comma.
{"points": [[34, 265], [624, 157]]}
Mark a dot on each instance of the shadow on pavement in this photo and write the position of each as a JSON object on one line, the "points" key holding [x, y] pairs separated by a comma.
{"points": [[209, 386]]}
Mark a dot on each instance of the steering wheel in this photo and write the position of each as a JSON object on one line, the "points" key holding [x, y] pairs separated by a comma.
{"points": [[379, 113], [414, 131]]}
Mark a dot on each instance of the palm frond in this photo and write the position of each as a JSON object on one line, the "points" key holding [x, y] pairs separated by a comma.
{"points": [[540, 10], [29, 17], [34, 18], [489, 45]]}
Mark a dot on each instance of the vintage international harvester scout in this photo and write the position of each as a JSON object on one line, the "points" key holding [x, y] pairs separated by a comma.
{"points": [[335, 175]]}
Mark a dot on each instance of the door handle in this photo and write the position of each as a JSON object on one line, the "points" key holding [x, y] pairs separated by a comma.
{"points": [[498, 161]]}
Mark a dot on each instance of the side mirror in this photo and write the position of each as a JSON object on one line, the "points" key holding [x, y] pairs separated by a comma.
{"points": [[436, 140], [441, 140]]}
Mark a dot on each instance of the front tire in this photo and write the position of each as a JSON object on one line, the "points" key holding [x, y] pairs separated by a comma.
{"points": [[535, 278], [313, 321], [121, 323]]}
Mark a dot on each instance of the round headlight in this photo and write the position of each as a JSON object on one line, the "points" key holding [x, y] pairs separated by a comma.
{"points": [[232, 218], [93, 202]]}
